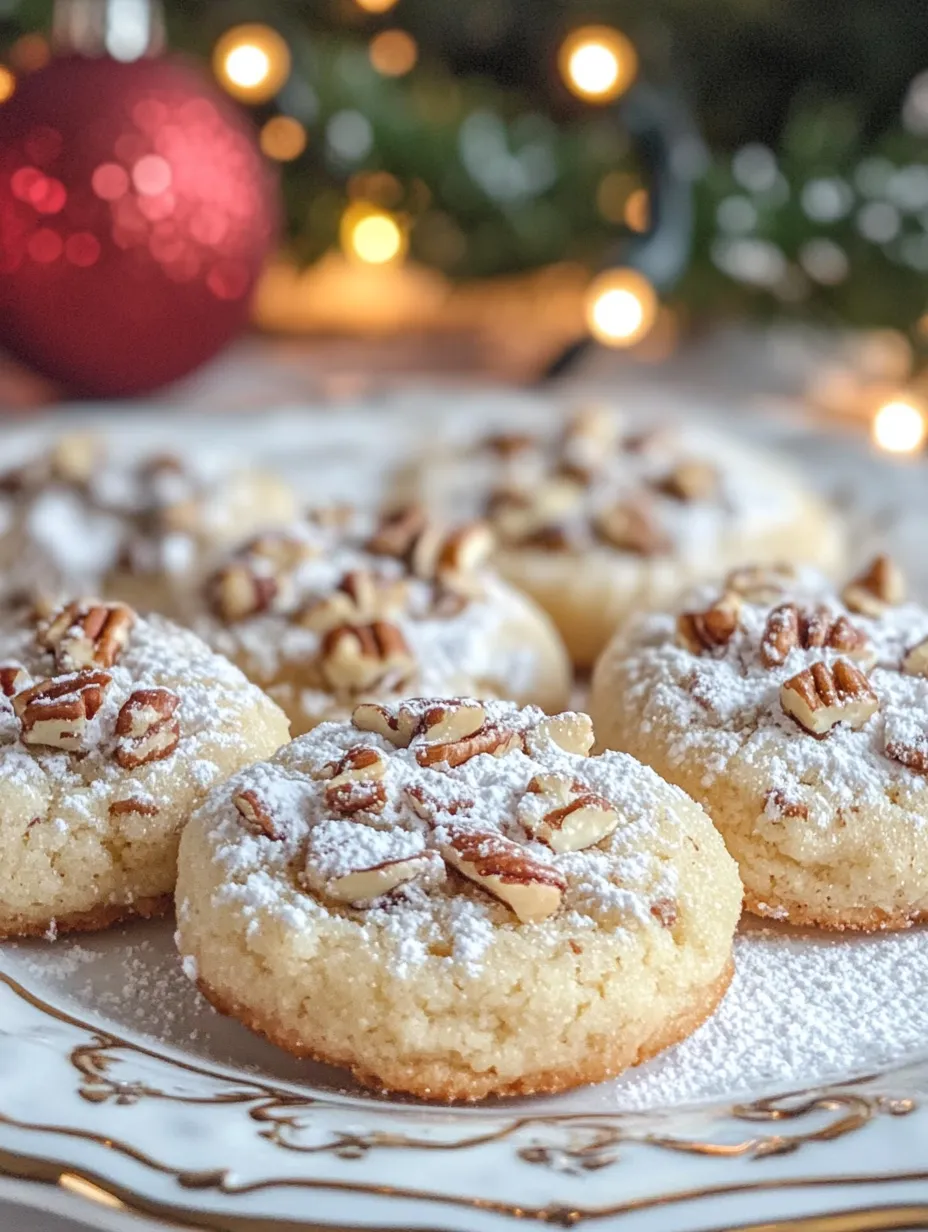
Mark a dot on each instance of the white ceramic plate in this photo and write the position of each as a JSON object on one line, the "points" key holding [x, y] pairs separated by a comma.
{"points": [[127, 1102]]}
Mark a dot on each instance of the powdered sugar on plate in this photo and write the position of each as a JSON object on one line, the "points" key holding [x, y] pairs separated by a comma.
{"points": [[803, 1009]]}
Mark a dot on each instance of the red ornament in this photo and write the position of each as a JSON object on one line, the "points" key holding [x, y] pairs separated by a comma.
{"points": [[135, 214]]}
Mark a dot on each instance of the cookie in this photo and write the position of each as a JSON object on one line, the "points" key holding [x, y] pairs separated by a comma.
{"points": [[596, 522], [340, 608], [798, 718], [452, 899], [112, 729], [142, 530]]}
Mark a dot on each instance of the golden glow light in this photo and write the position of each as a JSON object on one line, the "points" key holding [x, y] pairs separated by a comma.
{"points": [[598, 63], [621, 307], [376, 6], [283, 138], [371, 235], [637, 212], [31, 52], [899, 427], [7, 83], [252, 62], [393, 52]]}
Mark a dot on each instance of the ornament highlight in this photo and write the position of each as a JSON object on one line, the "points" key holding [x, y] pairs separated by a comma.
{"points": [[597, 63], [621, 307]]}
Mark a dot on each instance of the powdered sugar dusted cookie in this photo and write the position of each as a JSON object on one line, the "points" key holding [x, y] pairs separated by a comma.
{"points": [[597, 522], [340, 607], [112, 728], [73, 520], [799, 719], [451, 898]]}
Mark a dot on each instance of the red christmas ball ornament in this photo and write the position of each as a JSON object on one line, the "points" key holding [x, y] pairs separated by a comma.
{"points": [[136, 211]]}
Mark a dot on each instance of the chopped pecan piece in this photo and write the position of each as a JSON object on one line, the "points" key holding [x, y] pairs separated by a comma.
{"points": [[533, 890], [490, 738], [788, 627], [710, 629], [632, 526], [364, 885], [517, 514], [665, 911], [398, 532], [761, 584], [509, 444], [355, 785], [257, 814], [237, 591], [359, 599], [58, 712], [880, 586], [821, 697], [355, 658], [779, 803], [565, 814], [86, 633], [571, 732], [13, 679], [912, 755], [133, 807], [915, 662], [398, 725], [147, 729], [691, 481], [448, 721]]}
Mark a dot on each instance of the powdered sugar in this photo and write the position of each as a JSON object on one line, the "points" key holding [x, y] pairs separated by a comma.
{"points": [[613, 885], [727, 701]]}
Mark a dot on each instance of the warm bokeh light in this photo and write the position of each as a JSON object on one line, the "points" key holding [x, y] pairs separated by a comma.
{"points": [[598, 63], [376, 6], [637, 212], [899, 426], [372, 235], [7, 83], [31, 52], [393, 52], [621, 307], [283, 138], [252, 62]]}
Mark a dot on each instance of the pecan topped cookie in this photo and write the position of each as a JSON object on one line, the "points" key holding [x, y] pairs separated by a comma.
{"points": [[598, 518], [798, 716], [142, 528], [428, 892], [112, 728], [342, 607]]}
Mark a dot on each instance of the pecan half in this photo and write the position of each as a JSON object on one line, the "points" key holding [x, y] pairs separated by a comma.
{"points": [[146, 728], [880, 586], [789, 627], [821, 697], [257, 814], [58, 712], [710, 629], [355, 658], [565, 813], [86, 633], [532, 890]]}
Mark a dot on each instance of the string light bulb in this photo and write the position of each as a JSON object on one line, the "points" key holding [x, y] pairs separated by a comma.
{"points": [[621, 307], [252, 62], [283, 138], [7, 83], [597, 63], [372, 235], [393, 52], [899, 426]]}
